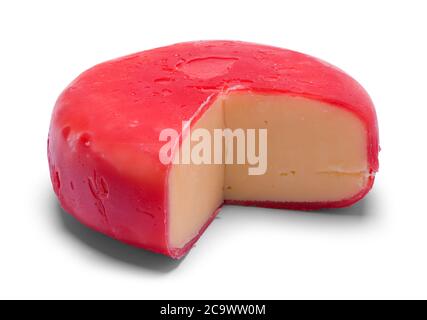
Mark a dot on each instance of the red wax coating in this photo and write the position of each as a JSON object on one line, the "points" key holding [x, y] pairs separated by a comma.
{"points": [[104, 137]]}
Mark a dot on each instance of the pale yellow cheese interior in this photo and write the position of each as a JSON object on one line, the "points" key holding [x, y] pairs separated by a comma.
{"points": [[316, 153]]}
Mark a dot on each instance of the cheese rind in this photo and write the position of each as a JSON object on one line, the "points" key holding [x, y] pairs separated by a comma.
{"points": [[104, 135]]}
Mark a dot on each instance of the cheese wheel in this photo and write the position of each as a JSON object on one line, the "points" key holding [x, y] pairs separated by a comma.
{"points": [[105, 140]]}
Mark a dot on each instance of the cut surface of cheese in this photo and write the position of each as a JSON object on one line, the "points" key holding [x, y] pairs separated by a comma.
{"points": [[317, 153], [105, 145], [195, 190]]}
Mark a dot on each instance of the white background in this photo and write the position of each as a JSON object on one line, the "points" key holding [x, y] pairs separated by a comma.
{"points": [[377, 249]]}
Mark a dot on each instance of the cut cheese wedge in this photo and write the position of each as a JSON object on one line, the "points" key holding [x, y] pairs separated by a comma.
{"points": [[317, 154], [105, 143]]}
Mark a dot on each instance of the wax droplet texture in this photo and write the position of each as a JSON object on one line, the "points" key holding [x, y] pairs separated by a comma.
{"points": [[207, 67]]}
